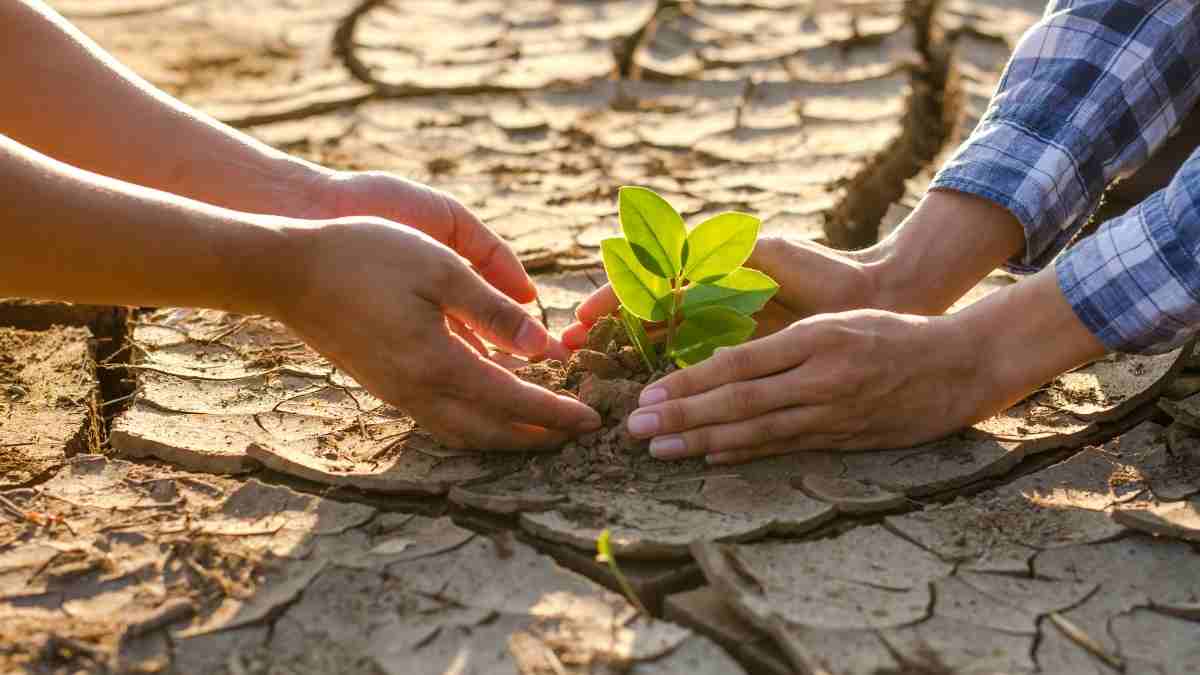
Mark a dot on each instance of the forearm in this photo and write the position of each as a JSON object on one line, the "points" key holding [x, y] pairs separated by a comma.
{"points": [[946, 246], [72, 235], [69, 99], [1021, 337], [1091, 91]]}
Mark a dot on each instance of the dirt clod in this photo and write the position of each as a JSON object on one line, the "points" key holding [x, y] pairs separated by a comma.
{"points": [[607, 375], [602, 336], [614, 398], [603, 365]]}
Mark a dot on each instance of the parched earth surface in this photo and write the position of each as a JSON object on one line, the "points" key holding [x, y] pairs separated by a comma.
{"points": [[189, 491]]}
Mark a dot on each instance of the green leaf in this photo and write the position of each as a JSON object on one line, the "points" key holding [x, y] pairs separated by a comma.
{"points": [[720, 245], [743, 290], [708, 328], [637, 289], [654, 229], [637, 335]]}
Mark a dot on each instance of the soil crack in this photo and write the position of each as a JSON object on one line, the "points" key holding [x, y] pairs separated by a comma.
{"points": [[853, 222]]}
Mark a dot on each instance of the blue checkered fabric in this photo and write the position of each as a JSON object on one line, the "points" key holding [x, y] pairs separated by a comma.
{"points": [[1091, 91]]}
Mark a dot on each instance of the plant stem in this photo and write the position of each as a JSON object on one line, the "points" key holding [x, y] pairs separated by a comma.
{"points": [[673, 313], [627, 588]]}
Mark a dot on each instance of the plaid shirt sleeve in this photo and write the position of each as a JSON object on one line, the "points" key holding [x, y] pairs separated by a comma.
{"points": [[1091, 91], [1135, 283]]}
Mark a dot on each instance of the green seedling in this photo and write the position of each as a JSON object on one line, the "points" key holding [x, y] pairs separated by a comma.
{"points": [[604, 555], [693, 282]]}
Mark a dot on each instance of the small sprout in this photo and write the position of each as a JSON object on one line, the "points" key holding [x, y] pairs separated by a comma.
{"points": [[604, 555], [693, 281]]}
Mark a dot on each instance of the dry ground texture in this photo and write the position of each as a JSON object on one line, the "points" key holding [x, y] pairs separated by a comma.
{"points": [[188, 491]]}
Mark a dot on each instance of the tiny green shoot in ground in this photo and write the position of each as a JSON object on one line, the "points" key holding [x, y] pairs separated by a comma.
{"points": [[604, 555], [693, 282]]}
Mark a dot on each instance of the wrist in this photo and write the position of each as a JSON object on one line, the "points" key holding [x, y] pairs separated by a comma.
{"points": [[302, 190], [265, 259], [948, 244], [1023, 336]]}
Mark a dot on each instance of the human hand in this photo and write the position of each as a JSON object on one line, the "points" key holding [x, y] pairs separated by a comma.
{"points": [[849, 381], [812, 279], [341, 194], [404, 315], [865, 379]]}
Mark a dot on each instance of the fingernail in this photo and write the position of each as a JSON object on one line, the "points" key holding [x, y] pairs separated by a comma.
{"points": [[529, 337], [668, 447], [643, 424], [591, 423], [652, 395]]}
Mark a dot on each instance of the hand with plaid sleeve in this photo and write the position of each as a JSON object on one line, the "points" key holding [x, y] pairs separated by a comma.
{"points": [[1090, 93], [863, 358]]}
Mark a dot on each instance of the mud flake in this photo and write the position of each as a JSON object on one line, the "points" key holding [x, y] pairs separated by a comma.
{"points": [[850, 496], [45, 389], [945, 645], [507, 496], [1184, 411], [1149, 639], [211, 443], [866, 578], [206, 403], [1003, 602], [408, 472], [1179, 520], [936, 466], [285, 521]]}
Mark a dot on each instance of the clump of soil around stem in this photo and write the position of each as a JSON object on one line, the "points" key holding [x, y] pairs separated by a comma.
{"points": [[608, 374]]}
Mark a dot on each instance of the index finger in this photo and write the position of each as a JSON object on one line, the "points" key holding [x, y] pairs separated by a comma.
{"points": [[601, 303], [757, 358], [486, 251], [497, 392]]}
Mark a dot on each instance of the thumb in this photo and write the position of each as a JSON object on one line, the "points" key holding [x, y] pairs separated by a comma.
{"points": [[493, 315]]}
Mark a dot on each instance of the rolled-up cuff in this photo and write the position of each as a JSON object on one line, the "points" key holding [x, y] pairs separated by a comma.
{"points": [[1033, 178], [1125, 286]]}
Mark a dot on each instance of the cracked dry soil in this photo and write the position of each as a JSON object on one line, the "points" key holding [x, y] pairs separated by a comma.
{"points": [[256, 511], [608, 375]]}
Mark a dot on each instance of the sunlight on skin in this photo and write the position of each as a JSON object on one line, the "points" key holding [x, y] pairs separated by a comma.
{"points": [[149, 202]]}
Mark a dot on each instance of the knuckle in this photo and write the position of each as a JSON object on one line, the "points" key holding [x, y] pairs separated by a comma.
{"points": [[766, 430], [852, 422], [435, 370], [675, 415], [857, 424], [770, 246], [850, 383], [500, 320], [681, 382], [828, 333], [826, 388], [842, 440], [700, 440], [745, 399], [443, 274], [738, 362]]}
